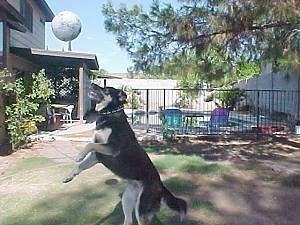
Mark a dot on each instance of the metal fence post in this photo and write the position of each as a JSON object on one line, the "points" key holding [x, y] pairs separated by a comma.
{"points": [[147, 109], [132, 95], [164, 99], [298, 96], [257, 114]]}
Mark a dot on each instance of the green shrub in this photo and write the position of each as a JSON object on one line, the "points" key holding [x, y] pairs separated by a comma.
{"points": [[228, 98], [190, 85], [21, 111], [134, 98]]}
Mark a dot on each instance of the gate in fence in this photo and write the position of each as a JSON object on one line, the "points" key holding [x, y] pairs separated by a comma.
{"points": [[213, 111]]}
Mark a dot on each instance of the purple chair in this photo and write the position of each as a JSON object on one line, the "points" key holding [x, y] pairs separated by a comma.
{"points": [[219, 117]]}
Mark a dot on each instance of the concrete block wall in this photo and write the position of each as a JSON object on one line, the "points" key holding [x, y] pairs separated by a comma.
{"points": [[282, 89]]}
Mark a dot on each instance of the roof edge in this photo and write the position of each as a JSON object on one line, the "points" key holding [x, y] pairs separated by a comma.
{"points": [[79, 56], [46, 9]]}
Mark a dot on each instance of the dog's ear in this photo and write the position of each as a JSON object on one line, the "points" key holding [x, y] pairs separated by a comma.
{"points": [[122, 96]]}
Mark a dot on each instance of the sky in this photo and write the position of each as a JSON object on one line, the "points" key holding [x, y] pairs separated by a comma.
{"points": [[93, 37]]}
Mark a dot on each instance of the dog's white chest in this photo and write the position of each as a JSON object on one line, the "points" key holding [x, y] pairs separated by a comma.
{"points": [[102, 135]]}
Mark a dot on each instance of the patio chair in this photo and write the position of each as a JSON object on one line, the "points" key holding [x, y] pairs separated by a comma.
{"points": [[172, 121], [218, 118], [53, 119], [67, 114]]}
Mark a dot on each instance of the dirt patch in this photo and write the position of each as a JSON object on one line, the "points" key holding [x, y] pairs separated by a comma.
{"points": [[280, 153], [265, 188]]}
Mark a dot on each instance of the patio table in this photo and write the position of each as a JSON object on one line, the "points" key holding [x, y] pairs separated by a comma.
{"points": [[188, 119], [65, 110]]}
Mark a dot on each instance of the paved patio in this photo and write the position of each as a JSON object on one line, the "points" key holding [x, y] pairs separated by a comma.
{"points": [[63, 144]]}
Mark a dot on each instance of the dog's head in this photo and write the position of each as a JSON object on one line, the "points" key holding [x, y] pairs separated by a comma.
{"points": [[107, 99]]}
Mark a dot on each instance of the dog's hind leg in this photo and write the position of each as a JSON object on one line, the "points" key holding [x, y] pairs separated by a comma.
{"points": [[90, 161], [148, 203], [129, 199], [104, 149]]}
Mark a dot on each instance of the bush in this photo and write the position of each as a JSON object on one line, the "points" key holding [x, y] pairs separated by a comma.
{"points": [[228, 98], [134, 98], [21, 112]]}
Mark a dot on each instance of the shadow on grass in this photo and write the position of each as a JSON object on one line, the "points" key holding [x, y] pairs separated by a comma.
{"points": [[162, 218], [292, 181], [87, 206], [64, 208], [36, 196], [165, 216], [116, 217], [44, 200], [221, 148]]}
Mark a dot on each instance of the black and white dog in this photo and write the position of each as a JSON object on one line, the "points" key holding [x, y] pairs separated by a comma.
{"points": [[116, 146]]}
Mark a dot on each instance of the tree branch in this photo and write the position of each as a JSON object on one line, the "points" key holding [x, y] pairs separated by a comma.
{"points": [[250, 28]]}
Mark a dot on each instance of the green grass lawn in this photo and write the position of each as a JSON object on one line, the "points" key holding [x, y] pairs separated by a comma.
{"points": [[35, 195], [31, 193]]}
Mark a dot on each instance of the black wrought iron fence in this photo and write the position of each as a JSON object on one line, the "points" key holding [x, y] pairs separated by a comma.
{"points": [[213, 111]]}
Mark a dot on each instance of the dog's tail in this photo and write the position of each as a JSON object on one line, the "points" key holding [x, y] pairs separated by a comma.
{"points": [[174, 203]]}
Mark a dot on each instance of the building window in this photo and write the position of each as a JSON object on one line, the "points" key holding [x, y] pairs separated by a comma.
{"points": [[1, 44], [27, 13]]}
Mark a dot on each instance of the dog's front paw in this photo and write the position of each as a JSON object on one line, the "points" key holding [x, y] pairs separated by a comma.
{"points": [[79, 157], [67, 179]]}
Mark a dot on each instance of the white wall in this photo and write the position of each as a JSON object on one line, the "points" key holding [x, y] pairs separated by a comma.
{"points": [[283, 80], [156, 97], [142, 83], [285, 86]]}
